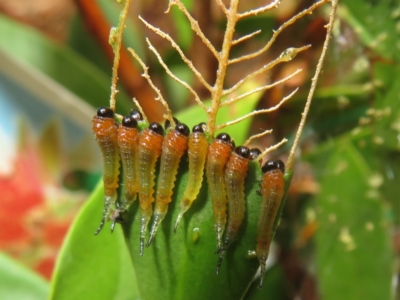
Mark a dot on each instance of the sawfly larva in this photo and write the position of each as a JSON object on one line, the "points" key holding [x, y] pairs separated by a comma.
{"points": [[149, 149], [272, 191], [174, 146], [217, 157], [105, 130], [197, 153]]}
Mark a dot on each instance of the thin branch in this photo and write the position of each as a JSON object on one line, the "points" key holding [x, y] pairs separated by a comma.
{"points": [[179, 50], [259, 10], [155, 89], [314, 80], [115, 40], [278, 31], [222, 6], [246, 37], [223, 63], [136, 102], [285, 56], [257, 112], [255, 136], [269, 149], [173, 76], [194, 24], [261, 88]]}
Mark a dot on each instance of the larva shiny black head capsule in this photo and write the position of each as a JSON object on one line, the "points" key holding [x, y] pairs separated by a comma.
{"points": [[197, 152], [217, 157], [174, 146], [149, 149], [272, 191], [128, 140], [105, 130], [235, 174]]}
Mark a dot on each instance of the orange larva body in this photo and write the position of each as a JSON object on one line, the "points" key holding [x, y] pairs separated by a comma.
{"points": [[174, 147], [149, 149], [197, 152], [217, 157], [235, 174], [272, 191], [128, 139], [106, 132]]}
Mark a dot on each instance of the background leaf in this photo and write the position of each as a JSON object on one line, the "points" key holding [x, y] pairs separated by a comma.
{"points": [[93, 267], [19, 283]]}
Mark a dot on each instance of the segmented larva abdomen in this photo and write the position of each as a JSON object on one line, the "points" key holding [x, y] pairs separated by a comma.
{"points": [[217, 157], [272, 191], [235, 175], [150, 144], [174, 146], [106, 132], [128, 139]]}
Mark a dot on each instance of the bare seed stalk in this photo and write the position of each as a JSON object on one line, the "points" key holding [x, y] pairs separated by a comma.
{"points": [[314, 80], [115, 40]]}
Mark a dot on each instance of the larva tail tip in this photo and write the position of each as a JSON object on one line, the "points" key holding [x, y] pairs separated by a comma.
{"points": [[100, 227], [141, 246], [219, 263], [178, 220]]}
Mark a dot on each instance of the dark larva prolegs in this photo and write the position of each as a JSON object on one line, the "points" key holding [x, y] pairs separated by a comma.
{"points": [[217, 157], [174, 146], [106, 132], [149, 150], [197, 152], [272, 191]]}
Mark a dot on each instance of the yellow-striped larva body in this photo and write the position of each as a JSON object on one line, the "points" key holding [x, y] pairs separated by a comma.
{"points": [[128, 139], [106, 132], [272, 191], [217, 157], [197, 153], [174, 147], [149, 149]]}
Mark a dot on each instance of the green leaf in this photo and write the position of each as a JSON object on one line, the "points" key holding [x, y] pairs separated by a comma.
{"points": [[59, 63], [354, 255], [183, 265], [376, 23], [19, 283], [239, 132], [93, 267]]}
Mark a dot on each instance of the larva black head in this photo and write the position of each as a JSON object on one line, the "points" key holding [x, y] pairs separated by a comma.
{"points": [[136, 114], [105, 112], [224, 137], [273, 165], [182, 129], [199, 127], [168, 122], [157, 128], [129, 121], [243, 151], [254, 153]]}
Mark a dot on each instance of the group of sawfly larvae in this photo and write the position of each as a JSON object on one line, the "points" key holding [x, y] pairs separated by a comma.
{"points": [[139, 145]]}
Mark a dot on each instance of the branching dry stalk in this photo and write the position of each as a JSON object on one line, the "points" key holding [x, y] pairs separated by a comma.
{"points": [[115, 40], [155, 89], [314, 80], [223, 58], [256, 136]]}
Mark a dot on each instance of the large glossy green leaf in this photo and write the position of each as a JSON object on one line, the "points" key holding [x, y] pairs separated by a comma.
{"points": [[375, 22], [59, 63], [183, 265], [93, 267], [19, 283], [353, 250]]}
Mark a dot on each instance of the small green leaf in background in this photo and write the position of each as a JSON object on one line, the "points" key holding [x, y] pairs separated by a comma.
{"points": [[353, 248], [376, 23], [93, 267], [19, 283]]}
